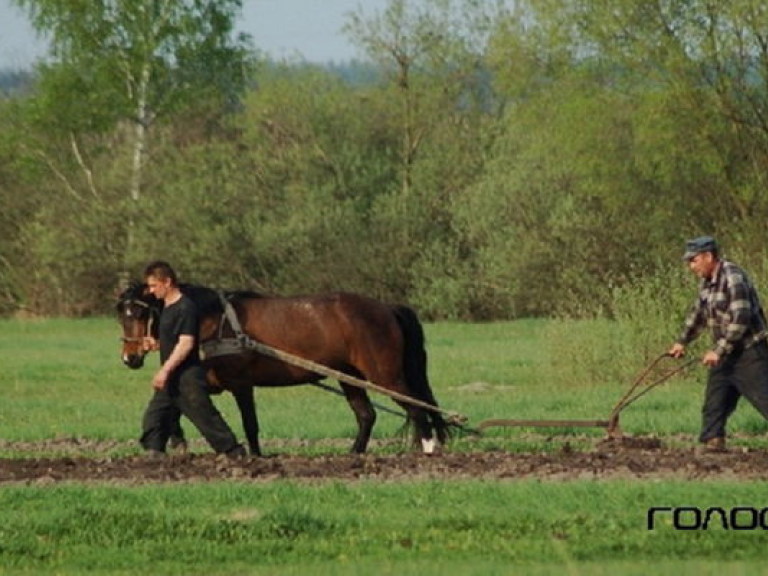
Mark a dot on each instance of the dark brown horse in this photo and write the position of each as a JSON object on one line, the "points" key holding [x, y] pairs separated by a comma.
{"points": [[353, 334]]}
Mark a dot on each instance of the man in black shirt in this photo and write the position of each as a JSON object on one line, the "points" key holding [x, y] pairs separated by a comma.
{"points": [[180, 383]]}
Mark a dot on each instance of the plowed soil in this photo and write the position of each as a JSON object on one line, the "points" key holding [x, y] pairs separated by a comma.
{"points": [[630, 458]]}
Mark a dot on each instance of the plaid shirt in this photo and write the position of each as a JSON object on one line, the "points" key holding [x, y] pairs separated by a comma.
{"points": [[729, 306]]}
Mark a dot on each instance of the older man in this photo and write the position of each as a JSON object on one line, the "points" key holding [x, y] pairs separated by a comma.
{"points": [[727, 304]]}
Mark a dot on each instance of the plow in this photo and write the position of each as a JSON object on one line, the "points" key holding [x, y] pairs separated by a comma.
{"points": [[657, 372], [652, 376]]}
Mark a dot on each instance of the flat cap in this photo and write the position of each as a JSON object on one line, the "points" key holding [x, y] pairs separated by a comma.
{"points": [[699, 245]]}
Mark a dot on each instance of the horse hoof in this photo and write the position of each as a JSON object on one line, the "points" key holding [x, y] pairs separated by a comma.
{"points": [[428, 445]]}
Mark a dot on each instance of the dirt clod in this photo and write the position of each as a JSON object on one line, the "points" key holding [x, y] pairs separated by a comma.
{"points": [[625, 458]]}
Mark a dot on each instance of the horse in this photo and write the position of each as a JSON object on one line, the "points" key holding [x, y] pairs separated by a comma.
{"points": [[350, 333]]}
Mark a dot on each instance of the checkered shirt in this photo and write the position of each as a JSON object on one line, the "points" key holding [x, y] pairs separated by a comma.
{"points": [[728, 305]]}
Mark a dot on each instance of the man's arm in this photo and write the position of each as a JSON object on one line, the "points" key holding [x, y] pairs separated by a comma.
{"points": [[182, 349], [694, 323], [739, 312]]}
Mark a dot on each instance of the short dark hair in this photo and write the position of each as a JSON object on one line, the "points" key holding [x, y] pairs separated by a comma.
{"points": [[160, 269]]}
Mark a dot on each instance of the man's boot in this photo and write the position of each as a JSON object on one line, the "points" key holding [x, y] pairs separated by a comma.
{"points": [[713, 445]]}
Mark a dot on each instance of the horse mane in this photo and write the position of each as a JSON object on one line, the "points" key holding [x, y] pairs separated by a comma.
{"points": [[208, 300], [135, 289], [243, 294]]}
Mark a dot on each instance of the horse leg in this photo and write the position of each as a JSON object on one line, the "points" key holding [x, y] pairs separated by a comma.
{"points": [[417, 417], [422, 428], [358, 400], [416, 381], [247, 406], [429, 426]]}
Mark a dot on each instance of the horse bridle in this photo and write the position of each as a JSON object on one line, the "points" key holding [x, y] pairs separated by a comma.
{"points": [[153, 314]]}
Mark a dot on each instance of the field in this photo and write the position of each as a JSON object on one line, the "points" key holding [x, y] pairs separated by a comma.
{"points": [[78, 497]]}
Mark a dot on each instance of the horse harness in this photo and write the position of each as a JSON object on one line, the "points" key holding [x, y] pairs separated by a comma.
{"points": [[222, 346], [219, 347], [242, 342]]}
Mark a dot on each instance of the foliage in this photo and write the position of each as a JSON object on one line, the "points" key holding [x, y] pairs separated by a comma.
{"points": [[485, 160], [117, 69], [14, 81]]}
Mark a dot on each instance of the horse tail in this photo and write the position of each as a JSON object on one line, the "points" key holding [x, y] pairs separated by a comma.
{"points": [[415, 365]]}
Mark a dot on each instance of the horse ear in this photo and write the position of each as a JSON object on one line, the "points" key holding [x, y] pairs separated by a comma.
{"points": [[134, 285], [135, 289]]}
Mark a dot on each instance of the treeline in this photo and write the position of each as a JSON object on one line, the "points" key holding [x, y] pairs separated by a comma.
{"points": [[483, 162]]}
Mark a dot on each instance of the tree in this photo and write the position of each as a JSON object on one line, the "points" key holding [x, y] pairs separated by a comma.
{"points": [[430, 56], [710, 61], [132, 63], [432, 71]]}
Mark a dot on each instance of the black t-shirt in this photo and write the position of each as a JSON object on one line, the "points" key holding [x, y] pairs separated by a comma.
{"points": [[180, 318]]}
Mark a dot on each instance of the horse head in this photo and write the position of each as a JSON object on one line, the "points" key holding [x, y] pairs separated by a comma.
{"points": [[137, 312]]}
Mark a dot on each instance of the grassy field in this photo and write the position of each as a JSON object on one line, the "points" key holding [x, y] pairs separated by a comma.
{"points": [[63, 379], [334, 528]]}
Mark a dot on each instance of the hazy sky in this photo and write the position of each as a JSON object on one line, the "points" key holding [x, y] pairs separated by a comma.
{"points": [[283, 28]]}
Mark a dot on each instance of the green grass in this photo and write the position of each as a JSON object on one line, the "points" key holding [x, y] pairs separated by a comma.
{"points": [[429, 527], [63, 379]]}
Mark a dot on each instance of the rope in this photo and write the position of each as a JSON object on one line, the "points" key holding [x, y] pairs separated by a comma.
{"points": [[338, 392]]}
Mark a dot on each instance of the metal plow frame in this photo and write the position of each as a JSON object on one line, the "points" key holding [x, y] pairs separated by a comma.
{"points": [[644, 383]]}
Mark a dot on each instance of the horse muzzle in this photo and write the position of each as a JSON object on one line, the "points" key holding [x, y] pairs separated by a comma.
{"points": [[133, 361]]}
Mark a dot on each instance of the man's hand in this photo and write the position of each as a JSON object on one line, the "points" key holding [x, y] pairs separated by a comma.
{"points": [[150, 344], [677, 350], [711, 359], [160, 379], [180, 352]]}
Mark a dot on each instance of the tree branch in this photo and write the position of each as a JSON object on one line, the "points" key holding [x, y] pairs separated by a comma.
{"points": [[80, 162], [58, 173]]}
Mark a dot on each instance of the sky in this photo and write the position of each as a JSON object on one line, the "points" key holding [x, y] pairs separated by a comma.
{"points": [[308, 29]]}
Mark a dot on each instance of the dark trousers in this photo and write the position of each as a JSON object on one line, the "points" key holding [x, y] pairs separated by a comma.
{"points": [[185, 394], [743, 373]]}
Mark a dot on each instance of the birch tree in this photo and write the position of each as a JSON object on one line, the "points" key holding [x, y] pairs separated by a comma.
{"points": [[125, 64]]}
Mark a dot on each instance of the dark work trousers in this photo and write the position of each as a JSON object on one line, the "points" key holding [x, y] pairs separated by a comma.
{"points": [[742, 373], [186, 393]]}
